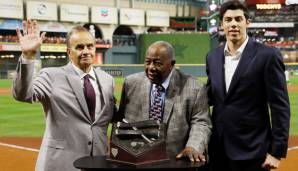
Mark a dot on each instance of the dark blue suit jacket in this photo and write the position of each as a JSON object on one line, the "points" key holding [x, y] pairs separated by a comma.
{"points": [[240, 116]]}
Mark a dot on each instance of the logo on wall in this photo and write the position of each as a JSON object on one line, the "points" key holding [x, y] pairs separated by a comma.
{"points": [[104, 12], [42, 9]]}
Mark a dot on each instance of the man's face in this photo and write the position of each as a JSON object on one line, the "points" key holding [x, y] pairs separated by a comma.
{"points": [[157, 64], [234, 25], [81, 50]]}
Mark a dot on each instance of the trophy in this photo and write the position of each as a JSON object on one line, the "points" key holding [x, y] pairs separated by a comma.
{"points": [[138, 143]]}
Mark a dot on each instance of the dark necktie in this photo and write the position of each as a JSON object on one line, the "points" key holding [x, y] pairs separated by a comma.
{"points": [[155, 112], [89, 96]]}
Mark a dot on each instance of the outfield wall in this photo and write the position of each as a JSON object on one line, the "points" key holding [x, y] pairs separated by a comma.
{"points": [[199, 70], [123, 70], [190, 48]]}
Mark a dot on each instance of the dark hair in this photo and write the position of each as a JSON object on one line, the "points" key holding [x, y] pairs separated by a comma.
{"points": [[233, 5], [75, 29]]}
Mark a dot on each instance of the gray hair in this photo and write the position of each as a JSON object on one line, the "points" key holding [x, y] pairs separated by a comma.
{"points": [[167, 45], [75, 29]]}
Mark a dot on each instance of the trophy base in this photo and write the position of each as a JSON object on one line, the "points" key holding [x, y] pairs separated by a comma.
{"points": [[139, 163], [155, 154], [127, 147]]}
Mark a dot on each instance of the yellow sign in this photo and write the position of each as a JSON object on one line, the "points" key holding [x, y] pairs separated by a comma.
{"points": [[268, 6], [52, 48]]}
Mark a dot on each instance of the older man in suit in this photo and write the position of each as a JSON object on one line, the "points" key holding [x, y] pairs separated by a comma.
{"points": [[77, 99], [248, 92], [164, 93]]}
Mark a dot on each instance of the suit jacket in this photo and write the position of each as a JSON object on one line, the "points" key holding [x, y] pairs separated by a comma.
{"points": [[69, 132], [185, 111], [240, 116]]}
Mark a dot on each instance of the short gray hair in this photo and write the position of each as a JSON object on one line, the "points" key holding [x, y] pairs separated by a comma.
{"points": [[75, 29], [168, 46]]}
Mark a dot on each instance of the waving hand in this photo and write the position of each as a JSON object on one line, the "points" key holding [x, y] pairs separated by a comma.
{"points": [[31, 39]]}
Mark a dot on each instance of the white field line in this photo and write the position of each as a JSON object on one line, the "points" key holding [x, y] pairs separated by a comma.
{"points": [[19, 147], [293, 148], [36, 150]]}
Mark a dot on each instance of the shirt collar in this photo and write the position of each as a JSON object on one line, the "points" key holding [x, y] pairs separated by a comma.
{"points": [[238, 52], [166, 82], [82, 74]]}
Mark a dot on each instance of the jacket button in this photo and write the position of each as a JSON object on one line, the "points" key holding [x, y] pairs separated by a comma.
{"points": [[89, 142]]}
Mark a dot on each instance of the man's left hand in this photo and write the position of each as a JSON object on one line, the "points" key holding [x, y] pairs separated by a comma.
{"points": [[192, 154], [271, 162]]}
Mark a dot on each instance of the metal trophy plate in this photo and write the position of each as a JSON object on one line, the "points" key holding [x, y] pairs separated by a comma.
{"points": [[138, 143]]}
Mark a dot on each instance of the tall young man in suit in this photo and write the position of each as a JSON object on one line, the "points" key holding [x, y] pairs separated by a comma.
{"points": [[77, 99], [248, 92], [182, 105]]}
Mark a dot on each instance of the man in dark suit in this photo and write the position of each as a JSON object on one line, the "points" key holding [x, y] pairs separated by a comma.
{"points": [[248, 92], [182, 103]]}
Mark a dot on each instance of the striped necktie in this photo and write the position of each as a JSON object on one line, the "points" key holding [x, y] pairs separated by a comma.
{"points": [[156, 107]]}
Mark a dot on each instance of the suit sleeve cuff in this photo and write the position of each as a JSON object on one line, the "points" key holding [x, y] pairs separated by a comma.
{"points": [[26, 61], [199, 147]]}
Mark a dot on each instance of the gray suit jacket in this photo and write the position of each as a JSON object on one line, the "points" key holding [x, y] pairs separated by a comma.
{"points": [[185, 112], [69, 132]]}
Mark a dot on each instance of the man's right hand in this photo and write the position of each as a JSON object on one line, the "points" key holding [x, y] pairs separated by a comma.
{"points": [[30, 40]]}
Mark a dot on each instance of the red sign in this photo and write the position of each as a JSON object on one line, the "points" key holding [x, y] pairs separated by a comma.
{"points": [[254, 2], [104, 46], [182, 23]]}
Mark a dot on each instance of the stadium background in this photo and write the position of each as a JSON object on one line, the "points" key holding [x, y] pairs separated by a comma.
{"points": [[123, 30]]}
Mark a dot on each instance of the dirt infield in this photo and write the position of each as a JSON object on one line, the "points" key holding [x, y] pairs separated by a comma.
{"points": [[13, 159], [5, 91], [293, 88]]}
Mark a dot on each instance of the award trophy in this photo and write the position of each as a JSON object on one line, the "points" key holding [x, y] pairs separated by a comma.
{"points": [[138, 143]]}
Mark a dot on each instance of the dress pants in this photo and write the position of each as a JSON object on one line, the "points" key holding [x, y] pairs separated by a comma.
{"points": [[219, 161]]}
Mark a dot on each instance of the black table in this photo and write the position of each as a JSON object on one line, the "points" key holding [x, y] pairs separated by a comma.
{"points": [[99, 163]]}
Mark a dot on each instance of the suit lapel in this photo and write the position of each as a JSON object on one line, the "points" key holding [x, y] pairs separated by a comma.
{"points": [[244, 62], [103, 98], [220, 73], [169, 98], [145, 98], [74, 82]]}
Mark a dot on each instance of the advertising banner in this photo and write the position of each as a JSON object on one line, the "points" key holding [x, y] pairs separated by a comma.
{"points": [[182, 22], [254, 2], [271, 25], [74, 13], [132, 17], [104, 15], [53, 27], [42, 10], [157, 18], [11, 9], [10, 24]]}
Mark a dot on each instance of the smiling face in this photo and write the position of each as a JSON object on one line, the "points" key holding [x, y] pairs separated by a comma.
{"points": [[81, 50], [158, 63], [235, 25]]}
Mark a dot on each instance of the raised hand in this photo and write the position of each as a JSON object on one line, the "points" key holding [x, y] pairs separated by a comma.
{"points": [[30, 40]]}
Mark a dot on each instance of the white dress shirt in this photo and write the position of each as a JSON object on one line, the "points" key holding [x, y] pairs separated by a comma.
{"points": [[231, 62]]}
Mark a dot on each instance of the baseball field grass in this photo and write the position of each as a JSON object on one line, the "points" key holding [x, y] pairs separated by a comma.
{"points": [[18, 119]]}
